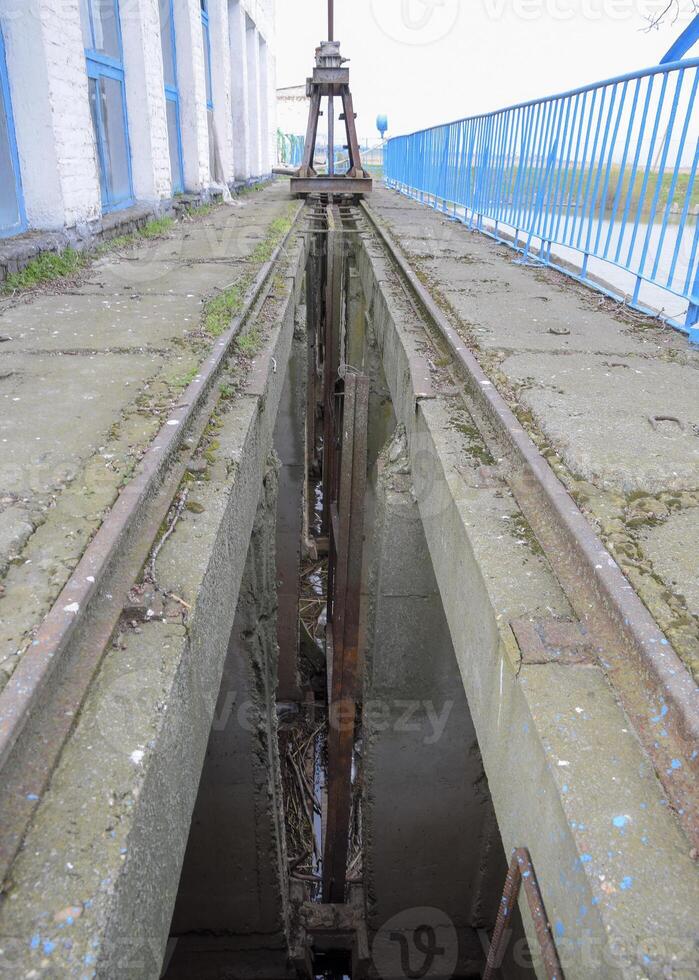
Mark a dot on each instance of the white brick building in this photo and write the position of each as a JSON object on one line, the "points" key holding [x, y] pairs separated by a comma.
{"points": [[108, 103]]}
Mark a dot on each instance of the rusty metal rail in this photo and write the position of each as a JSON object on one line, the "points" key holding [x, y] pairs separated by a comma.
{"points": [[521, 871], [344, 582], [39, 705], [644, 670]]}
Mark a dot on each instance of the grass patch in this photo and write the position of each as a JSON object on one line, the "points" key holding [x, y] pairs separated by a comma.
{"points": [[264, 250], [156, 227], [121, 241], [250, 189], [199, 210], [222, 308], [183, 380], [249, 343], [47, 267]]}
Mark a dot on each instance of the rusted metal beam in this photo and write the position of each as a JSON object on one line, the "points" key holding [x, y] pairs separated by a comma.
{"points": [[346, 546], [521, 870], [339, 184], [331, 355]]}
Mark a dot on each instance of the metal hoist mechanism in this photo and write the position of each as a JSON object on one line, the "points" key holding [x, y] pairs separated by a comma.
{"points": [[330, 79]]}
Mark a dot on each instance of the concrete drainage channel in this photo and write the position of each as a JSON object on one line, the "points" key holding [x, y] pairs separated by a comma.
{"points": [[356, 679]]}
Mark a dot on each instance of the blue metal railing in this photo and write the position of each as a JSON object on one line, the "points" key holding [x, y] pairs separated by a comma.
{"points": [[600, 182]]}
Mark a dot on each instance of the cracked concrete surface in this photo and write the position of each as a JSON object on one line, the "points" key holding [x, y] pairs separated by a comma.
{"points": [[92, 891], [87, 371], [610, 397], [567, 775]]}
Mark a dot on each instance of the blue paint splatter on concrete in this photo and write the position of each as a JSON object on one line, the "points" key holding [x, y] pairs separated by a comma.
{"points": [[626, 883], [32, 796], [585, 858], [676, 764], [34, 942], [560, 928], [620, 821], [49, 947]]}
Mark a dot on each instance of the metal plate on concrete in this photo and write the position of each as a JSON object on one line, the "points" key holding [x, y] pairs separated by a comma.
{"points": [[561, 641]]}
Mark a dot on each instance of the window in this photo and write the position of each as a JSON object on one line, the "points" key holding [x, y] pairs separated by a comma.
{"points": [[12, 219], [209, 83], [105, 71], [172, 95], [207, 55]]}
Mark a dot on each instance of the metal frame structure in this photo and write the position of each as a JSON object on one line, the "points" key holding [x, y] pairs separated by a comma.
{"points": [[330, 80], [172, 93], [101, 65], [521, 871], [604, 172], [6, 96]]}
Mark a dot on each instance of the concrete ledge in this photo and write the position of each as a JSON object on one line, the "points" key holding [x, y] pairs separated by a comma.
{"points": [[17, 252], [92, 892], [567, 775]]}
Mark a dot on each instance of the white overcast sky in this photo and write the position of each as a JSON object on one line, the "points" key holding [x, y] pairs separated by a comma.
{"points": [[428, 61]]}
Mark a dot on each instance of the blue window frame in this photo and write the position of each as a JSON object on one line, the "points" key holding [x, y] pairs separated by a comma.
{"points": [[207, 54], [209, 82], [168, 42], [105, 73], [12, 216]]}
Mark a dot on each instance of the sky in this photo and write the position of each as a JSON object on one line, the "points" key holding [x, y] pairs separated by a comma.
{"points": [[423, 62]]}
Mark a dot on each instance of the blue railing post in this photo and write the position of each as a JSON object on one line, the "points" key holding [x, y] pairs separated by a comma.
{"points": [[693, 310]]}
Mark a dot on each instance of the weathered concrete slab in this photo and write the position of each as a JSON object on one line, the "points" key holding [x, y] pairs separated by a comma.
{"points": [[649, 442], [554, 740], [152, 277], [57, 409], [673, 547], [609, 432], [92, 892], [126, 320], [555, 325], [85, 380]]}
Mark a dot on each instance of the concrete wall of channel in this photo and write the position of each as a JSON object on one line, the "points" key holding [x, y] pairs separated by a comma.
{"points": [[431, 842], [231, 911], [93, 891], [567, 775]]}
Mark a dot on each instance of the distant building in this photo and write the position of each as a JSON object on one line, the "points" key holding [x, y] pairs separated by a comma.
{"points": [[109, 103], [292, 109]]}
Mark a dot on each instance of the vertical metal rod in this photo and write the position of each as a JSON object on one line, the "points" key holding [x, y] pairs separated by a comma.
{"points": [[331, 134], [331, 101]]}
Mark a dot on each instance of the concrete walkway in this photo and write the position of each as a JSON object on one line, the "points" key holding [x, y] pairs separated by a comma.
{"points": [[610, 398], [88, 370]]}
